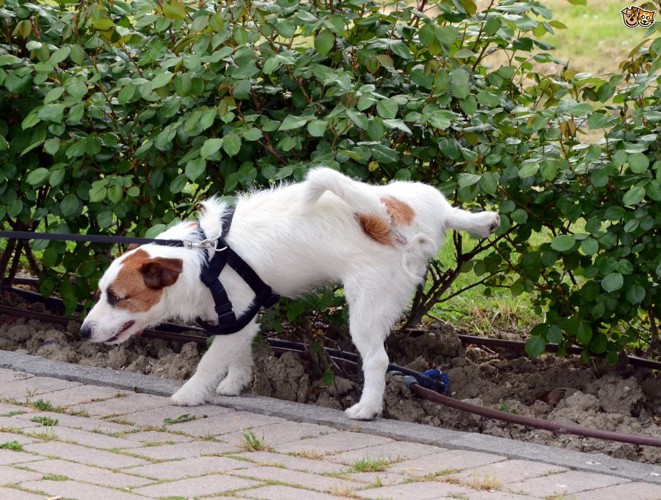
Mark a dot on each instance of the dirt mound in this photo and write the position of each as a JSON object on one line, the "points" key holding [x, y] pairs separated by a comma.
{"points": [[620, 398]]}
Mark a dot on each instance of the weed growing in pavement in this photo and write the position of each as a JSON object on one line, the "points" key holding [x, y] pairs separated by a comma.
{"points": [[54, 477], [252, 442], [486, 482], [45, 421], [371, 464], [179, 420], [11, 445]]}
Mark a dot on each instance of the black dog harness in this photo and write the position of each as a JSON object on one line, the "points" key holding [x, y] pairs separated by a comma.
{"points": [[222, 255]]}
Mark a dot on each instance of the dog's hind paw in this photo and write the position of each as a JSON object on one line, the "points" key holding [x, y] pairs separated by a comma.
{"points": [[362, 412], [187, 397], [232, 386]]}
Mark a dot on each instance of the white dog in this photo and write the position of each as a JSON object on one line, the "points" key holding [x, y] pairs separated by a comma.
{"points": [[374, 240]]}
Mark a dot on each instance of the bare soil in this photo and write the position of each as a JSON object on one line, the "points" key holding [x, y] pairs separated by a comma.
{"points": [[621, 398]]}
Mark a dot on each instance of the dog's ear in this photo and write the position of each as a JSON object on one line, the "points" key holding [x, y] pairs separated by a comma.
{"points": [[161, 272]]}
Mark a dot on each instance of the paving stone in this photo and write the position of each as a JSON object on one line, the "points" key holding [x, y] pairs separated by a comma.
{"points": [[337, 442], [292, 463], [11, 376], [86, 438], [157, 417], [451, 460], [372, 479], [14, 475], [507, 471], [394, 451], [8, 457], [185, 450], [124, 405], [419, 491], [73, 489], [13, 422], [630, 491], [280, 432], [156, 437], [193, 467], [224, 423], [76, 422], [564, 483], [298, 478], [200, 486], [7, 409], [12, 494], [88, 474], [83, 394], [84, 455], [281, 492], [7, 437], [34, 388]]}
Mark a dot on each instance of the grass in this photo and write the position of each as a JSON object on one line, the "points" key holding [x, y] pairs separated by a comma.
{"points": [[45, 421], [370, 465], [253, 443], [12, 446], [596, 39]]}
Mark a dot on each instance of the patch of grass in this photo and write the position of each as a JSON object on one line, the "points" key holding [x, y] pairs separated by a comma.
{"points": [[43, 405], [55, 477], [596, 39], [252, 442], [45, 421], [179, 420], [13, 413], [11, 445], [311, 454], [371, 465], [485, 483]]}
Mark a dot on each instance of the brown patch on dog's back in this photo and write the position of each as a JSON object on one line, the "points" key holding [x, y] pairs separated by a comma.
{"points": [[376, 228], [402, 214], [141, 279]]}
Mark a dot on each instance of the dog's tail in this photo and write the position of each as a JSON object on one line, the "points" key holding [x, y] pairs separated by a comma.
{"points": [[360, 197]]}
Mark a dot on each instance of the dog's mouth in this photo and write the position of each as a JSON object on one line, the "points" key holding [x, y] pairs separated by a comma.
{"points": [[117, 338]]}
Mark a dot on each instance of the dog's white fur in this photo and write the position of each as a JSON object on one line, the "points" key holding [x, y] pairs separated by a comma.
{"points": [[297, 237]]}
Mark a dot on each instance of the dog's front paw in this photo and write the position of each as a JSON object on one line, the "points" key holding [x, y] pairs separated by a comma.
{"points": [[232, 386], [361, 411], [189, 396]]}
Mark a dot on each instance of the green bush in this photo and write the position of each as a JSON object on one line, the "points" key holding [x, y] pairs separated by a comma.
{"points": [[120, 116]]}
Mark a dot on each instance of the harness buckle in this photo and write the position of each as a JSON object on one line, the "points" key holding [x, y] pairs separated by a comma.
{"points": [[204, 245]]}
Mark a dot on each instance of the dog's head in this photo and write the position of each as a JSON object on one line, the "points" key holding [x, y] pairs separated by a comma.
{"points": [[131, 293], [630, 16]]}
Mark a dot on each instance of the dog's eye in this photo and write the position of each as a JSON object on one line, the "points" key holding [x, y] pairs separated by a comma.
{"points": [[113, 298]]}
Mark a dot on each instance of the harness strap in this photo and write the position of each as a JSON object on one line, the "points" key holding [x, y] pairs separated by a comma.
{"points": [[228, 323]]}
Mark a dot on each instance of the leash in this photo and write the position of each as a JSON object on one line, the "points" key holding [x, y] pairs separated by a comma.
{"points": [[222, 255]]}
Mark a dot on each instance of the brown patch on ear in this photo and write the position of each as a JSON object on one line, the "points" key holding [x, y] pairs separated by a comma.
{"points": [[138, 272], [376, 228], [401, 213], [132, 246], [160, 272]]}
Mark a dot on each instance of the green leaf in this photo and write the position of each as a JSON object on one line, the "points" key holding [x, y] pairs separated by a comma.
{"points": [[387, 108], [52, 113], [231, 144], [613, 282], [317, 128], [69, 205], [638, 163], [459, 80], [563, 243], [292, 122], [195, 168], [59, 55], [636, 294], [37, 177], [161, 80], [324, 42], [535, 345], [634, 196], [210, 147]]}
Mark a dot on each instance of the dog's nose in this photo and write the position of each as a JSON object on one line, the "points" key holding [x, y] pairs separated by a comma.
{"points": [[85, 331]]}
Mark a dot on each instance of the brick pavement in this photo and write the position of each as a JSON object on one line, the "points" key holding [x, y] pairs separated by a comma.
{"points": [[62, 439]]}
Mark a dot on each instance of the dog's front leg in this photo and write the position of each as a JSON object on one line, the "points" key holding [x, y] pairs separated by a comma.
{"points": [[222, 356]]}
